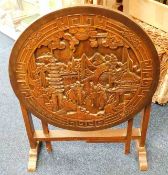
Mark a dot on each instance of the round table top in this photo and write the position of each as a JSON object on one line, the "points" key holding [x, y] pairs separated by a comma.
{"points": [[84, 68]]}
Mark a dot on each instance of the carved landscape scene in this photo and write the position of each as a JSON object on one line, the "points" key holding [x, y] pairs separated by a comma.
{"points": [[84, 73]]}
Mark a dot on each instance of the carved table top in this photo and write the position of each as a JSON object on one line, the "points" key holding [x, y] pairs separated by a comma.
{"points": [[84, 68]]}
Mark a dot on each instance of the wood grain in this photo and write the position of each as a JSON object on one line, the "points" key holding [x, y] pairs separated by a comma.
{"points": [[82, 68], [85, 69], [33, 156]]}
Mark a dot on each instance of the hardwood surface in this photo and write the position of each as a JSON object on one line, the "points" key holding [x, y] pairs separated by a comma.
{"points": [[84, 68]]}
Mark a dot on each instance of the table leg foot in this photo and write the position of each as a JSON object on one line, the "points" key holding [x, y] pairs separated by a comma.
{"points": [[142, 155], [33, 156]]}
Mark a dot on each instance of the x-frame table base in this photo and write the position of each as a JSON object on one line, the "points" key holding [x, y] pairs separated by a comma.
{"points": [[124, 135]]}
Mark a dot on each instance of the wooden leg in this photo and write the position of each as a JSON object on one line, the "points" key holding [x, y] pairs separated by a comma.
{"points": [[142, 156], [144, 124], [34, 145], [29, 126], [46, 132], [33, 156], [129, 135]]}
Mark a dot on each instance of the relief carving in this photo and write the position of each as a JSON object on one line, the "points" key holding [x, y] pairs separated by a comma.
{"points": [[84, 76], [82, 86]]}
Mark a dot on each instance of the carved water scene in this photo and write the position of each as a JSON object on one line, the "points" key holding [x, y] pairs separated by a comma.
{"points": [[84, 74]]}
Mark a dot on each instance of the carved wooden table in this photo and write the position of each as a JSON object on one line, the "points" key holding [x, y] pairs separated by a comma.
{"points": [[84, 68]]}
